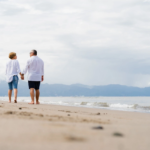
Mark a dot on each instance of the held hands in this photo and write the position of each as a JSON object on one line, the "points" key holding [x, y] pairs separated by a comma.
{"points": [[22, 76]]}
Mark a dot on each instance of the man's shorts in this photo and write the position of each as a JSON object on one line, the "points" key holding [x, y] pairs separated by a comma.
{"points": [[34, 84]]}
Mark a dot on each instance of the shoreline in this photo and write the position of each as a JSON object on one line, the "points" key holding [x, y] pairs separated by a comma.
{"points": [[57, 127], [90, 107], [108, 103]]}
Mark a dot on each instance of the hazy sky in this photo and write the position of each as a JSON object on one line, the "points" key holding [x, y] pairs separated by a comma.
{"points": [[93, 42]]}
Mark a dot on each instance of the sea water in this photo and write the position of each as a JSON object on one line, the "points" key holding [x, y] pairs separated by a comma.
{"points": [[137, 104]]}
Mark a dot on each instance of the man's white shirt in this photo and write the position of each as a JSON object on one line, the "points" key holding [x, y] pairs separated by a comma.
{"points": [[35, 69], [12, 68]]}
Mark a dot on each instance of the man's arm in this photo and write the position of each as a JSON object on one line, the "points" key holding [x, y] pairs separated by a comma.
{"points": [[42, 78], [25, 70], [43, 72]]}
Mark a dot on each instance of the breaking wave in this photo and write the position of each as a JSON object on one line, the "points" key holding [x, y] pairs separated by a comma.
{"points": [[117, 105], [136, 106]]}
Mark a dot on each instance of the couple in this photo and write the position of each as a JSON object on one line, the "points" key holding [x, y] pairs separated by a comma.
{"points": [[35, 69]]}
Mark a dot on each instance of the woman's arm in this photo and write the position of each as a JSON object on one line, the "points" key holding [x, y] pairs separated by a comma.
{"points": [[18, 68], [6, 70], [26, 68]]}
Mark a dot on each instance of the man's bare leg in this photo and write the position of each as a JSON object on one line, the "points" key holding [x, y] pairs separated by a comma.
{"points": [[9, 95], [32, 95], [37, 96], [15, 95]]}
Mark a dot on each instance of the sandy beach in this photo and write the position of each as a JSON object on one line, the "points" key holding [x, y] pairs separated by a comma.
{"points": [[51, 127]]}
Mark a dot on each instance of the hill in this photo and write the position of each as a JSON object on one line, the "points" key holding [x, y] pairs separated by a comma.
{"points": [[78, 90]]}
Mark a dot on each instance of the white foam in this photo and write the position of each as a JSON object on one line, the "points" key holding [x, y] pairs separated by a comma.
{"points": [[121, 105], [115, 103]]}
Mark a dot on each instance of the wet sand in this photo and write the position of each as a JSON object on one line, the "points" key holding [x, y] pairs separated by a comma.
{"points": [[50, 127]]}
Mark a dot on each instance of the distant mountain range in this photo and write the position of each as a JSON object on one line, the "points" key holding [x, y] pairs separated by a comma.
{"points": [[78, 90]]}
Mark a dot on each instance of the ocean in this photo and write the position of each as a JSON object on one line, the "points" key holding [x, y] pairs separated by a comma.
{"points": [[135, 104]]}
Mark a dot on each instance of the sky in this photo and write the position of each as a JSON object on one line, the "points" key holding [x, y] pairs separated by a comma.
{"points": [[91, 42]]}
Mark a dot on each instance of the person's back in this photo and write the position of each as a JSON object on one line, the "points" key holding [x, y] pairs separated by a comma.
{"points": [[12, 68], [35, 69], [12, 71]]}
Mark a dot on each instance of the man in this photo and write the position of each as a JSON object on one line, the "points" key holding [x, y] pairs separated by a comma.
{"points": [[35, 69]]}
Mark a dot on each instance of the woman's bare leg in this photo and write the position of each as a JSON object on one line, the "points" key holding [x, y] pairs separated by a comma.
{"points": [[9, 95], [15, 94]]}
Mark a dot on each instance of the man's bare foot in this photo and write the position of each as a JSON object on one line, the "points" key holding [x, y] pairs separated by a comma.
{"points": [[15, 101], [9, 101], [37, 102], [31, 103]]}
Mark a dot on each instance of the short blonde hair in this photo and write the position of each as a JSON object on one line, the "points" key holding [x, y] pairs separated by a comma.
{"points": [[12, 55]]}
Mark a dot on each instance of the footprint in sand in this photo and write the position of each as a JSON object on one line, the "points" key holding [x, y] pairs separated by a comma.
{"points": [[40, 115], [25, 114], [98, 128], [68, 111], [117, 134], [9, 113], [61, 110], [74, 139]]}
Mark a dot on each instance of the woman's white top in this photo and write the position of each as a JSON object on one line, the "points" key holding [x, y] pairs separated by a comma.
{"points": [[12, 68], [35, 69]]}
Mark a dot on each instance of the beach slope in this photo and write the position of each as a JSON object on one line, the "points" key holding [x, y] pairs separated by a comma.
{"points": [[50, 127]]}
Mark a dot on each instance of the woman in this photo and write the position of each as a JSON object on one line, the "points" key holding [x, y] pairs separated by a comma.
{"points": [[12, 71]]}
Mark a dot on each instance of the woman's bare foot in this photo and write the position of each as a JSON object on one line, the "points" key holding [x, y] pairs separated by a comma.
{"points": [[31, 103], [15, 101], [37, 102]]}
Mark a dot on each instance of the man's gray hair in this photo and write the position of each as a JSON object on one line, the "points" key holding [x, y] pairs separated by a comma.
{"points": [[34, 52]]}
